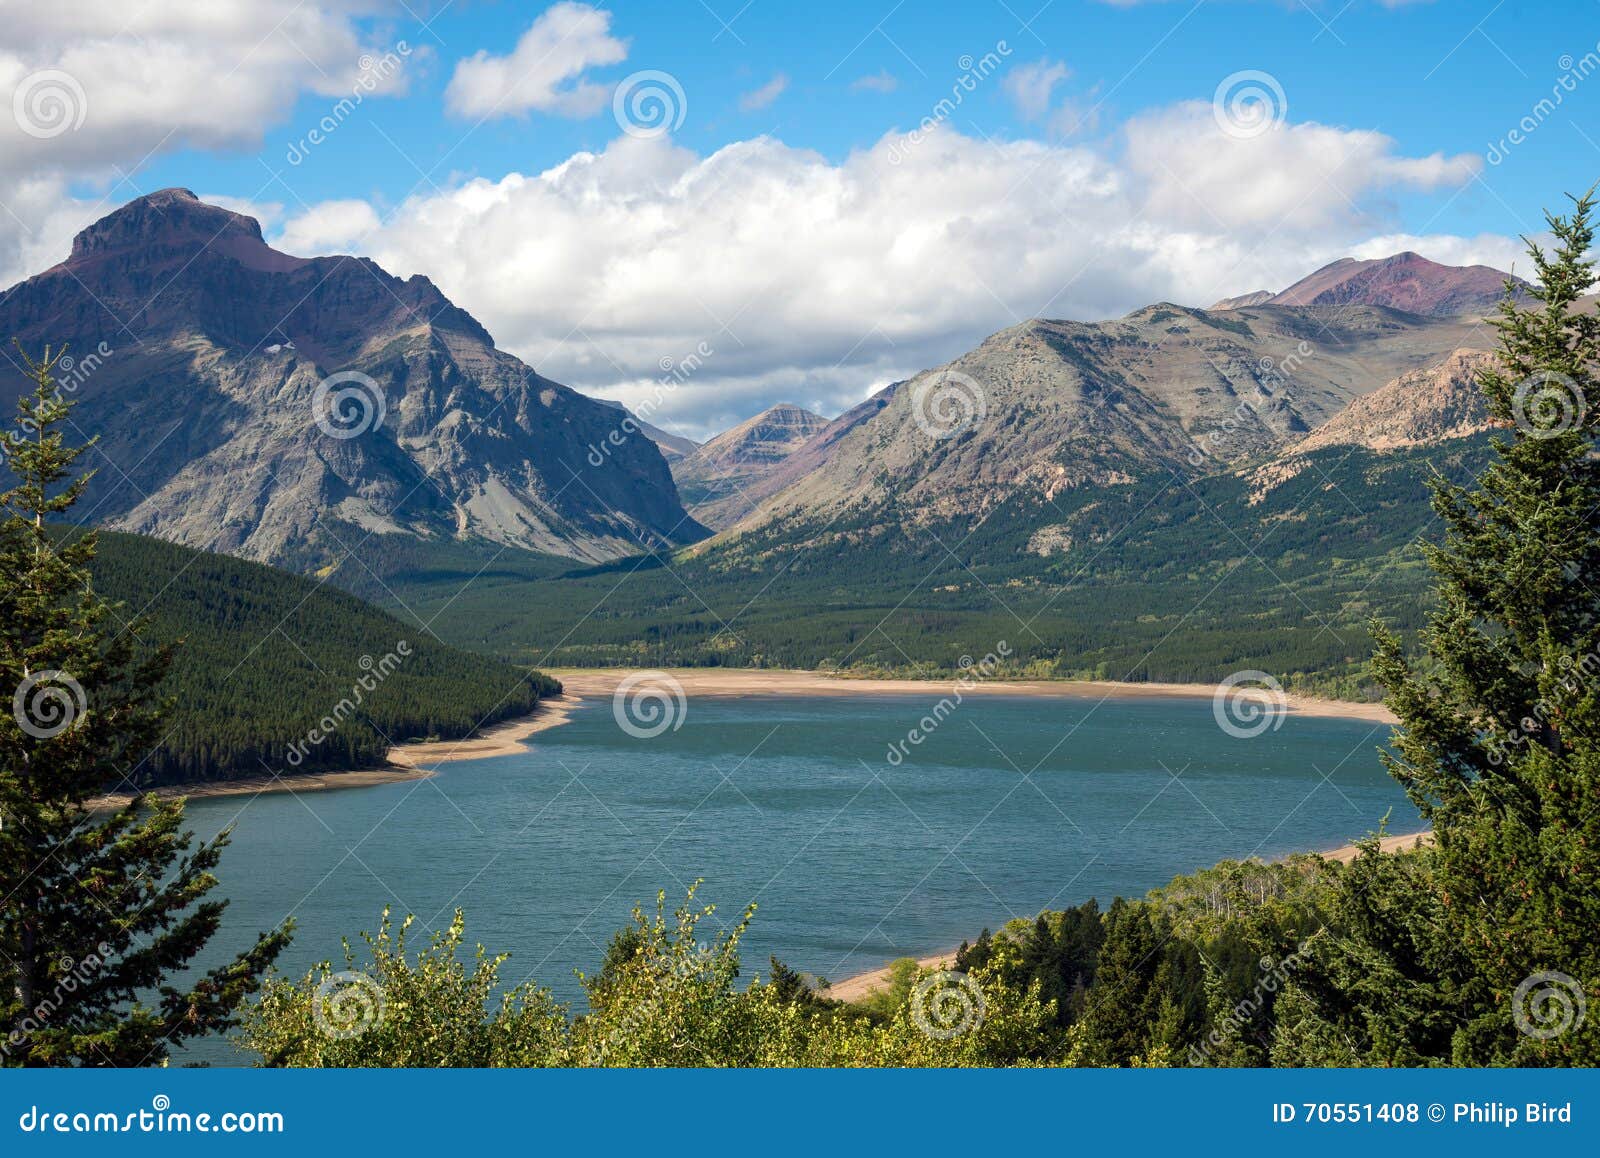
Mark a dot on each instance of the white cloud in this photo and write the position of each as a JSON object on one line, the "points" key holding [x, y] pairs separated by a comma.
{"points": [[1295, 177], [544, 73], [762, 97], [103, 85], [883, 81], [818, 280], [1030, 86], [327, 227]]}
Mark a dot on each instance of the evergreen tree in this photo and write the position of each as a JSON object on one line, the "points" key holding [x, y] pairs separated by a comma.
{"points": [[97, 911], [1499, 738]]}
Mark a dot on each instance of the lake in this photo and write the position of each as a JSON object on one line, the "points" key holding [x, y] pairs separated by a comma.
{"points": [[1009, 806]]}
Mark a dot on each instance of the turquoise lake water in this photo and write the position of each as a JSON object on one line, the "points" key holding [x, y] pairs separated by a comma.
{"points": [[1012, 805]]}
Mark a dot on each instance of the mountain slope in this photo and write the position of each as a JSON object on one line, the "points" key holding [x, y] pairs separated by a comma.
{"points": [[1406, 281], [284, 408], [1426, 407], [1069, 406], [266, 655], [672, 446], [715, 482]]}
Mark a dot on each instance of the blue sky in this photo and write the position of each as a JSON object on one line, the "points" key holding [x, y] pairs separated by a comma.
{"points": [[1451, 77], [788, 221]]}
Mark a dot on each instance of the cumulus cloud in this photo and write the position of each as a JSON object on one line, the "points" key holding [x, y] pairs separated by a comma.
{"points": [[1294, 176], [544, 73], [80, 104], [762, 97], [908, 253]]}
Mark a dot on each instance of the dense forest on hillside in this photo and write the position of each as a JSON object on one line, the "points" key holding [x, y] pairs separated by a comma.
{"points": [[1162, 579], [266, 655]]}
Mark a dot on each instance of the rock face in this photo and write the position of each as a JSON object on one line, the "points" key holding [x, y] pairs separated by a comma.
{"points": [[672, 446], [719, 482], [1423, 408], [1406, 281], [1051, 406], [1258, 298], [282, 408]]}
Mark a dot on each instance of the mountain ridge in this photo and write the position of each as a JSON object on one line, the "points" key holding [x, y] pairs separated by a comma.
{"points": [[280, 408]]}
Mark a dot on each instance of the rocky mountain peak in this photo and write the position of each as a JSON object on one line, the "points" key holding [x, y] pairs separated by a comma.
{"points": [[176, 220]]}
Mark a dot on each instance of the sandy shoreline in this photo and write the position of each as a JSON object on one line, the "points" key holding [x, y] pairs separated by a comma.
{"points": [[416, 761], [863, 984], [601, 682], [405, 761]]}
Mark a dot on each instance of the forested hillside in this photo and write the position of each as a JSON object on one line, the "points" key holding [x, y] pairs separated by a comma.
{"points": [[1086, 584], [266, 655]]}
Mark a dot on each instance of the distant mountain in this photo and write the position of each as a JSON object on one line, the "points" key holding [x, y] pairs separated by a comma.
{"points": [[1423, 408], [1258, 298], [716, 481], [672, 446], [285, 408], [1406, 281], [1070, 406]]}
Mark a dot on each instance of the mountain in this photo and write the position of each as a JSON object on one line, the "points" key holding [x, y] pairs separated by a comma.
{"points": [[267, 654], [1405, 281], [1423, 408], [1071, 406], [284, 408], [1258, 298], [715, 482], [672, 446]]}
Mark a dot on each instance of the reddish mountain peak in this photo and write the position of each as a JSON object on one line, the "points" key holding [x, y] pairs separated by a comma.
{"points": [[171, 221], [1403, 281]]}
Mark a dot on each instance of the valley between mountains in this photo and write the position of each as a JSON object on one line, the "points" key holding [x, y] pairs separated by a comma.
{"points": [[313, 452]]}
